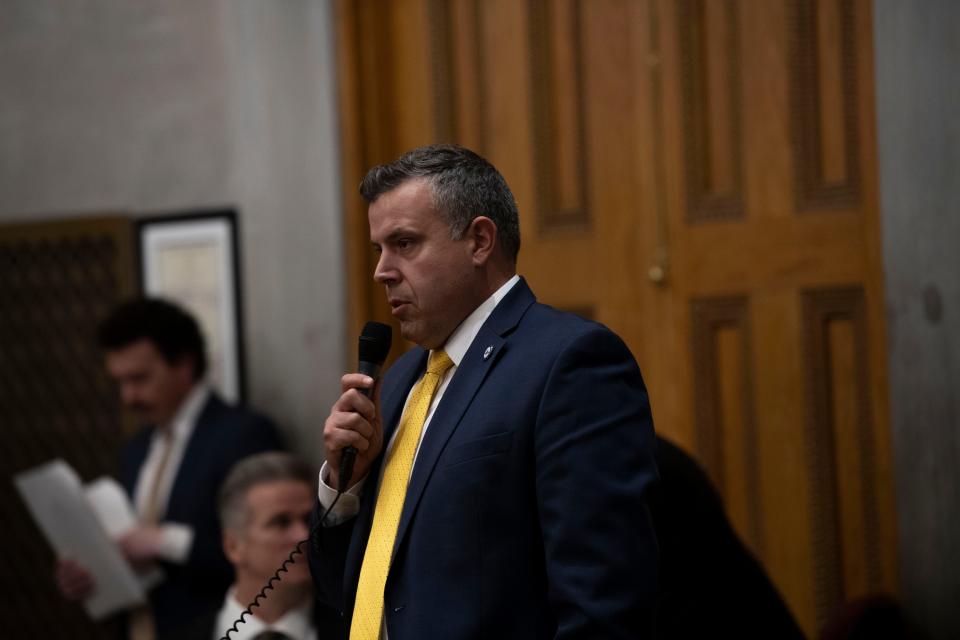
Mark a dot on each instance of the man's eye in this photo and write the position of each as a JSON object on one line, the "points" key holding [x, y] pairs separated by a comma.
{"points": [[404, 244], [281, 521]]}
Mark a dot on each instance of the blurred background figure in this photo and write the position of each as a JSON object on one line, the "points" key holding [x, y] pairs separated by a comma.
{"points": [[874, 617], [710, 583], [264, 507], [174, 465]]}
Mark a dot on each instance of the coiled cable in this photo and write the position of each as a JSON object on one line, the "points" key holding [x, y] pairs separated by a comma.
{"points": [[284, 568]]}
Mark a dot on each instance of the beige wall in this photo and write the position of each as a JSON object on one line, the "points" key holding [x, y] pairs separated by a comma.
{"points": [[918, 102], [163, 106]]}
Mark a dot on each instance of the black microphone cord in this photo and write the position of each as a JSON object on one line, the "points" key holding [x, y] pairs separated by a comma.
{"points": [[284, 568], [373, 347]]}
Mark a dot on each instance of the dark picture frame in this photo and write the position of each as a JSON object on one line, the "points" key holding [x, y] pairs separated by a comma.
{"points": [[193, 259]]}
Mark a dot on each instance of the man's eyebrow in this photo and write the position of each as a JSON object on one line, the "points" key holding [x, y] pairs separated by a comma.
{"points": [[398, 233]]}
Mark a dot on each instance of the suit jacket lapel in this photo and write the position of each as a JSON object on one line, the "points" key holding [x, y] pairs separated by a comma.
{"points": [[194, 452], [467, 380], [391, 406], [469, 376]]}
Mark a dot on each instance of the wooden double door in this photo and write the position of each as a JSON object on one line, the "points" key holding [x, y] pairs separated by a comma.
{"points": [[699, 175]]}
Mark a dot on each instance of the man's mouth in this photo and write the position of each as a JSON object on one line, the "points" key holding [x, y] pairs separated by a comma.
{"points": [[397, 305]]}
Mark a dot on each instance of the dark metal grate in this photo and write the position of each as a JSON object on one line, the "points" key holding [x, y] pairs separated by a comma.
{"points": [[57, 281]]}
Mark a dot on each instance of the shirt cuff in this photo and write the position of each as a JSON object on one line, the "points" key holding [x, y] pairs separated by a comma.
{"points": [[175, 542], [346, 507]]}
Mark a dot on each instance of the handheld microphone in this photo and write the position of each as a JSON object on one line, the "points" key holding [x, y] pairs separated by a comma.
{"points": [[374, 345]]}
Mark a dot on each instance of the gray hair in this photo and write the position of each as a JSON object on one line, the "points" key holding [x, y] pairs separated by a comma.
{"points": [[464, 186], [273, 466]]}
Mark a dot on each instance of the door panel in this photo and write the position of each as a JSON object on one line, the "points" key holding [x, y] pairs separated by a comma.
{"points": [[700, 176]]}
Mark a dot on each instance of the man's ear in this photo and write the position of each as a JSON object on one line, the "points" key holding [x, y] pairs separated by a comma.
{"points": [[186, 367], [483, 233], [232, 546]]}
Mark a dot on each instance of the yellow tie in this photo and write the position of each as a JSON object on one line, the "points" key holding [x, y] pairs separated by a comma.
{"points": [[368, 610]]}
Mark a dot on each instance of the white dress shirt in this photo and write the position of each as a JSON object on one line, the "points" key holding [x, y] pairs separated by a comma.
{"points": [[296, 623], [456, 347], [176, 538]]}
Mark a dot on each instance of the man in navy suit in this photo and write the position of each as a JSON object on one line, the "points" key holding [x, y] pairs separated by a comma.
{"points": [[501, 493], [173, 467]]}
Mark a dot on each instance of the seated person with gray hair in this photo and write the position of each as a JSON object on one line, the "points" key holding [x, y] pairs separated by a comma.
{"points": [[264, 508]]}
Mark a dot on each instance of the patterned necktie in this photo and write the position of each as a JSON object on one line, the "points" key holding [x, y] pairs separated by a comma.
{"points": [[142, 623], [151, 512], [368, 610]]}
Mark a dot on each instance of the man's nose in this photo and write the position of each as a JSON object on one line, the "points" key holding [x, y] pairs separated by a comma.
{"points": [[128, 395], [300, 529], [384, 273]]}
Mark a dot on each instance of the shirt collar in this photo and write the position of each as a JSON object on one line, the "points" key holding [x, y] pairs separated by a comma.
{"points": [[296, 622], [181, 426], [461, 339]]}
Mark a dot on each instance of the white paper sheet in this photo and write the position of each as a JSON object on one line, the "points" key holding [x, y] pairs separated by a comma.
{"points": [[115, 513], [58, 503], [111, 505]]}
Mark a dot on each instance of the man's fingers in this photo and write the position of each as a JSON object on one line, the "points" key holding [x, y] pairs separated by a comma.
{"points": [[349, 427], [355, 381], [341, 438], [73, 580], [352, 401], [77, 586], [353, 422]]}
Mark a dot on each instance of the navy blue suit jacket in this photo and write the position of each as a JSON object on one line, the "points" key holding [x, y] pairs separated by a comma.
{"points": [[223, 435], [525, 514]]}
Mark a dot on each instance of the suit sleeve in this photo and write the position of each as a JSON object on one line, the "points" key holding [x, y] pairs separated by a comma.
{"points": [[327, 555], [594, 447], [254, 435]]}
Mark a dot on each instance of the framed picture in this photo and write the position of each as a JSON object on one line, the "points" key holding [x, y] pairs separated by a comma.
{"points": [[193, 259]]}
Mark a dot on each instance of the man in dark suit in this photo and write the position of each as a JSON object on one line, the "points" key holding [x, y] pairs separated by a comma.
{"points": [[499, 486], [173, 467]]}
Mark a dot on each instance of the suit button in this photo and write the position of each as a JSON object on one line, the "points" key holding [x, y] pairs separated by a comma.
{"points": [[398, 609]]}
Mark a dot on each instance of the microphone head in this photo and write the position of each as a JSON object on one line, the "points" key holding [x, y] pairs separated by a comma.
{"points": [[375, 342]]}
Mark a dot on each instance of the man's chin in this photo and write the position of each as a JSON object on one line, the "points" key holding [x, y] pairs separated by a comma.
{"points": [[143, 416], [299, 573], [418, 335], [409, 331]]}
